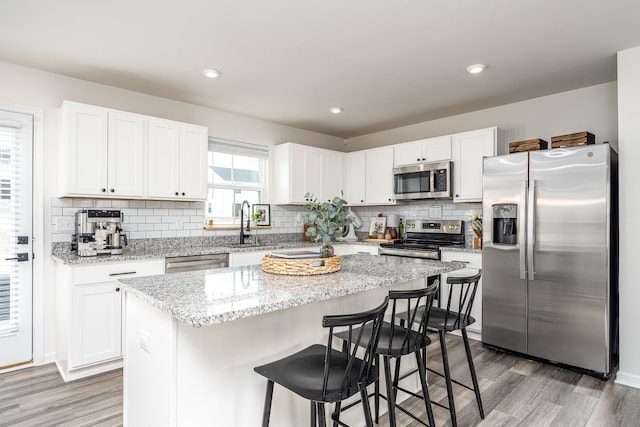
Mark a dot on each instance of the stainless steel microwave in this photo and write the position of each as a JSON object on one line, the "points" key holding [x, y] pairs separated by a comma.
{"points": [[422, 181]]}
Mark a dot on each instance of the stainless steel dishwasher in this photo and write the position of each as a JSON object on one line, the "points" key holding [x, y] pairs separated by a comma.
{"points": [[177, 264]]}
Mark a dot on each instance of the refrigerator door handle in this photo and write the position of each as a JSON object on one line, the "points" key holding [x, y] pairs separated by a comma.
{"points": [[531, 229], [522, 229]]}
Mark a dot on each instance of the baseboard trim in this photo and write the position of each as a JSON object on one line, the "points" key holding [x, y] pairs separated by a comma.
{"points": [[629, 380]]}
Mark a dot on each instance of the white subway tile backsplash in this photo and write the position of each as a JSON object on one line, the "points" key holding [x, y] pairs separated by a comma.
{"points": [[155, 219]]}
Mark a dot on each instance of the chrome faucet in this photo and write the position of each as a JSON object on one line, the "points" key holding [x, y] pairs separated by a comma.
{"points": [[242, 230]]}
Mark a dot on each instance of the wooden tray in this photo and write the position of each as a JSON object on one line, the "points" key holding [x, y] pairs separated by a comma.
{"points": [[573, 139], [528, 145], [300, 267]]}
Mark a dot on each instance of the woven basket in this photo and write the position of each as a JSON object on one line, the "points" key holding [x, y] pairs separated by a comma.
{"points": [[300, 267]]}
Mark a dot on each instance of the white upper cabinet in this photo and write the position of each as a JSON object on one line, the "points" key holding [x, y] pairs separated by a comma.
{"points": [[300, 170], [333, 174], [468, 150], [177, 160], [110, 153], [424, 150], [355, 178], [379, 176], [102, 152]]}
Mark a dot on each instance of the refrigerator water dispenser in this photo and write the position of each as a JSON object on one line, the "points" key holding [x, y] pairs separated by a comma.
{"points": [[505, 224]]}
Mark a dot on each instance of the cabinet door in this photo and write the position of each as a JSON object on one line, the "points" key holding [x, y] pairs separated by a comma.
{"points": [[126, 154], [96, 324], [468, 150], [84, 149], [474, 262], [379, 175], [299, 158], [408, 153], [355, 179], [313, 174], [437, 149], [163, 159], [332, 176], [193, 162]]}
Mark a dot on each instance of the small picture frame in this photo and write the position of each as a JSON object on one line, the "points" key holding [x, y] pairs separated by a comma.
{"points": [[378, 226], [265, 214]]}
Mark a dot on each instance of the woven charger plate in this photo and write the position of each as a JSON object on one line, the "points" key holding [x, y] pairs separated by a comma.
{"points": [[300, 267]]}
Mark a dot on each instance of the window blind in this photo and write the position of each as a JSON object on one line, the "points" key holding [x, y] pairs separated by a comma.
{"points": [[9, 222], [226, 146]]}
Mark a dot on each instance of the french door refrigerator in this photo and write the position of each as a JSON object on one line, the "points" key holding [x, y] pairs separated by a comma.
{"points": [[550, 256]]}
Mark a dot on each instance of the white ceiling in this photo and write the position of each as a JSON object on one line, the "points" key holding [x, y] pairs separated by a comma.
{"points": [[387, 63]]}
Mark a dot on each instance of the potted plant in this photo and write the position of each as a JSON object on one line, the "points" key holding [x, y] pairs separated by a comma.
{"points": [[476, 225], [325, 221]]}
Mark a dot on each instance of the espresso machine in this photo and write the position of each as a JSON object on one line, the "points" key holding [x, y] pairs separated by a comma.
{"points": [[98, 232]]}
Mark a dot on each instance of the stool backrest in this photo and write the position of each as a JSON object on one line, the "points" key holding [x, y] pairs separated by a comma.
{"points": [[412, 308], [462, 293], [367, 334]]}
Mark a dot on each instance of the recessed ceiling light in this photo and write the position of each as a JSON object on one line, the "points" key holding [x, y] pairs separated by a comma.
{"points": [[211, 73], [336, 110], [476, 68]]}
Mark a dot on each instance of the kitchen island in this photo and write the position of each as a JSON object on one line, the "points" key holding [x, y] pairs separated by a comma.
{"points": [[192, 339]]}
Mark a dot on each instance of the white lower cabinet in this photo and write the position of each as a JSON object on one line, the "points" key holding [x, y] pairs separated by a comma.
{"points": [[473, 261], [90, 315], [96, 312]]}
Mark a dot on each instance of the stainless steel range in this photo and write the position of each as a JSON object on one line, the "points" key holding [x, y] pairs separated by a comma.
{"points": [[425, 238]]}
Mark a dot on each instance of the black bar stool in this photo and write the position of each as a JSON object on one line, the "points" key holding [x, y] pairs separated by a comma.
{"points": [[397, 341], [456, 316], [322, 375]]}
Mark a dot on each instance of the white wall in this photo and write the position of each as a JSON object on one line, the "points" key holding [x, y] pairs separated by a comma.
{"points": [[593, 109], [31, 87], [629, 159]]}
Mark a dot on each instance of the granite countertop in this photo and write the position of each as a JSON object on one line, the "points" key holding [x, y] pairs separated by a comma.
{"points": [[209, 297], [70, 258], [139, 254]]}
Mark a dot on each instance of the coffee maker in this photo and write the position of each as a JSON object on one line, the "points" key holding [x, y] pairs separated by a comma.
{"points": [[98, 232]]}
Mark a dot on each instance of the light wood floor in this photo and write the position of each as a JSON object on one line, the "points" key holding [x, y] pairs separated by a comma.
{"points": [[515, 392]]}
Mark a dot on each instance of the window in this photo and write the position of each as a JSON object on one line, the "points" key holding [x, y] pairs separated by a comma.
{"points": [[236, 173]]}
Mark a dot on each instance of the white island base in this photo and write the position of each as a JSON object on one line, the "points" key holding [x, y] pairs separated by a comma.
{"points": [[179, 375]]}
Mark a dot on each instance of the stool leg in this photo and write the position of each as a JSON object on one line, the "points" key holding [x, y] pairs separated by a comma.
{"points": [[425, 389], [266, 413], [336, 414], [391, 400], [376, 391], [366, 408], [447, 377], [313, 414], [322, 421], [472, 369]]}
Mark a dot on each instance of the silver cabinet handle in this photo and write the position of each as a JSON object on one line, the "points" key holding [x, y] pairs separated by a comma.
{"points": [[122, 274]]}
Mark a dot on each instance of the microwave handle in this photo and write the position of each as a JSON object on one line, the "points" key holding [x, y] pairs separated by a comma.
{"points": [[432, 181]]}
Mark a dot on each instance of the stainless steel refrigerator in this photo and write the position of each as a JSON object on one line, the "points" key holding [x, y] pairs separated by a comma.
{"points": [[550, 256]]}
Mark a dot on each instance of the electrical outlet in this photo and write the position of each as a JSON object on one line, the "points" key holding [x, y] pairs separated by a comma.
{"points": [[145, 341], [65, 224]]}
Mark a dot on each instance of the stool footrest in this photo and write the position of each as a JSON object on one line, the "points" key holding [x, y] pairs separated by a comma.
{"points": [[452, 380]]}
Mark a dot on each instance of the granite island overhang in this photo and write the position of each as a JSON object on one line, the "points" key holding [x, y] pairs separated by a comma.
{"points": [[191, 340]]}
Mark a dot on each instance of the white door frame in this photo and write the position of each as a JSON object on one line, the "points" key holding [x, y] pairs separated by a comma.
{"points": [[38, 226]]}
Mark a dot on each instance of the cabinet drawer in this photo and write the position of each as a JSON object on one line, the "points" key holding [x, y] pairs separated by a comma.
{"points": [[113, 271]]}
